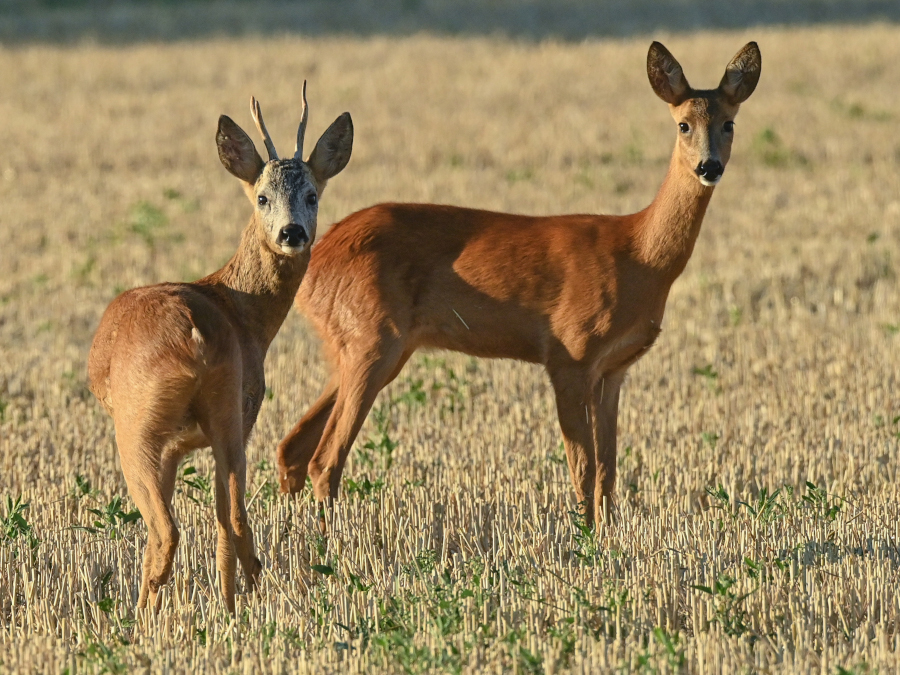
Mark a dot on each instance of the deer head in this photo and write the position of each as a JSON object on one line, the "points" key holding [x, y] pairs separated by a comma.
{"points": [[705, 118], [285, 192]]}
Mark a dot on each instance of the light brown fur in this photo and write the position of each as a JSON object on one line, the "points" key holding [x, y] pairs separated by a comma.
{"points": [[179, 366], [584, 295]]}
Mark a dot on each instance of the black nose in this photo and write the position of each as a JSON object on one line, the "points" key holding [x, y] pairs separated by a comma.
{"points": [[292, 235], [710, 170]]}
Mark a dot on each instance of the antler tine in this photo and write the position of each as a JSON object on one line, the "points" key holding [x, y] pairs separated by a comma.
{"points": [[256, 111], [301, 131]]}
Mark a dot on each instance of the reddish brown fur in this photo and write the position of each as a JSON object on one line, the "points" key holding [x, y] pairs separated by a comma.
{"points": [[180, 366], [584, 295]]}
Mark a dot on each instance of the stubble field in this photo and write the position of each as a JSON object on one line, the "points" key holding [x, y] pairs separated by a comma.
{"points": [[759, 519]]}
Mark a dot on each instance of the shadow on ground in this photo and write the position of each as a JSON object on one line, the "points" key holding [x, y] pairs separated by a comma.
{"points": [[118, 21]]}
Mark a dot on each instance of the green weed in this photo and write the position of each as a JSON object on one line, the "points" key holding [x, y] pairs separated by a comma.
{"points": [[146, 220], [187, 205], [710, 375], [517, 175], [771, 150], [767, 508], [586, 542], [857, 111], [195, 486], [101, 658], [663, 648], [424, 563], [720, 497], [15, 530], [110, 519], [105, 603], [821, 503], [83, 488], [558, 456], [730, 613]]}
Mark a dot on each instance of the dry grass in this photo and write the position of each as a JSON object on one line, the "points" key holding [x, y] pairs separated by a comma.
{"points": [[759, 439]]}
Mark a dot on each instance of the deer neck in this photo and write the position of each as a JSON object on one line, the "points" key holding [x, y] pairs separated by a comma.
{"points": [[260, 284], [666, 230]]}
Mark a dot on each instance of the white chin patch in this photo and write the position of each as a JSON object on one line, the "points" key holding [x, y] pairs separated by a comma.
{"points": [[709, 183], [291, 250]]}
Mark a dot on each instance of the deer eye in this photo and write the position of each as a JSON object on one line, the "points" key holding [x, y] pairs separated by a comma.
{"points": [[262, 200], [728, 127], [312, 199], [684, 126]]}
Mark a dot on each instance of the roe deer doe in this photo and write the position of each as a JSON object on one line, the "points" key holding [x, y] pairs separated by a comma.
{"points": [[179, 366], [584, 295]]}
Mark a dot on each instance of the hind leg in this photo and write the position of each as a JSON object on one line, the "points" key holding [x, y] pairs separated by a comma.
{"points": [[235, 538], [361, 380], [150, 475], [297, 448], [219, 413], [226, 561], [303, 440], [231, 486]]}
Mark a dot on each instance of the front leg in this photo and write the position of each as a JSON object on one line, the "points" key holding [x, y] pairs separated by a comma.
{"points": [[604, 415], [571, 386]]}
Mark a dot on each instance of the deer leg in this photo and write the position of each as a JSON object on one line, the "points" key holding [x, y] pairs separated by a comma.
{"points": [[169, 538], [360, 384], [222, 423], [572, 406], [398, 367], [226, 562], [147, 567], [297, 448], [150, 475], [231, 513], [240, 527], [605, 408]]}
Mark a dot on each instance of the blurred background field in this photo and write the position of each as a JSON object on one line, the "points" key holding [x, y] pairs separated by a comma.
{"points": [[117, 21], [758, 439]]}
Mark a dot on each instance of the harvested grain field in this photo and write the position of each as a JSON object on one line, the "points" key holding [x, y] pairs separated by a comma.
{"points": [[759, 523]]}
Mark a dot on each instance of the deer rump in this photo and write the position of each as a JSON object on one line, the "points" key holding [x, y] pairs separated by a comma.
{"points": [[176, 340]]}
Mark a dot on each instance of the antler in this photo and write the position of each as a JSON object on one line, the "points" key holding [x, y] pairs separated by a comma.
{"points": [[256, 111], [301, 131]]}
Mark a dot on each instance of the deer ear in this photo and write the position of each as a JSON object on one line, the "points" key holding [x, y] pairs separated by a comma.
{"points": [[742, 74], [332, 151], [237, 152], [666, 76]]}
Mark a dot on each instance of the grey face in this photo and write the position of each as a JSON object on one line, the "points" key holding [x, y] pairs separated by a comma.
{"points": [[285, 192], [287, 202]]}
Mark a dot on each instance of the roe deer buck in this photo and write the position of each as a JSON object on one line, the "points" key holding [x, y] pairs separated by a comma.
{"points": [[179, 366], [584, 295]]}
